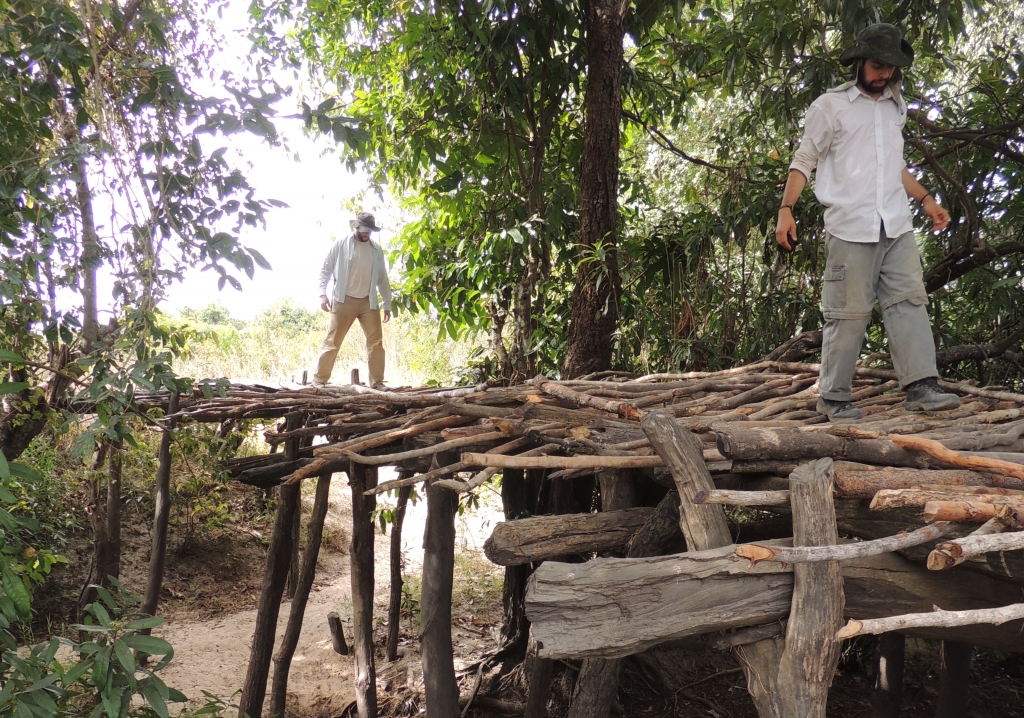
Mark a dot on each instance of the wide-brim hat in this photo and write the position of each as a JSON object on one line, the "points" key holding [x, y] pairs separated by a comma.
{"points": [[882, 42], [364, 221]]}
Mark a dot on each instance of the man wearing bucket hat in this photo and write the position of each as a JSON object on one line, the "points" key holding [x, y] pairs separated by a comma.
{"points": [[357, 265], [853, 138]]}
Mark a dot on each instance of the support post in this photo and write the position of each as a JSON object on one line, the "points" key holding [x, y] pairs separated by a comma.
{"points": [[361, 478], [440, 686], [515, 627], [812, 649], [161, 515], [294, 562], [254, 689], [303, 585], [598, 682], [955, 679], [395, 600], [338, 642], [888, 695]]}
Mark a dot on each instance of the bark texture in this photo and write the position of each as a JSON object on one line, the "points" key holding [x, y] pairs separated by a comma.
{"points": [[161, 515], [361, 478], [595, 297]]}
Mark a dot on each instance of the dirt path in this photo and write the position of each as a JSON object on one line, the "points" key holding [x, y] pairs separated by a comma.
{"points": [[212, 655]]}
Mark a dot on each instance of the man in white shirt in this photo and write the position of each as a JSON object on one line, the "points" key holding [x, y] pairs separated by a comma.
{"points": [[853, 138], [359, 270]]}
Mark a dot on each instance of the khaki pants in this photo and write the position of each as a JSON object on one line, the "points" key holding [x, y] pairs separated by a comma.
{"points": [[855, 275], [342, 316]]}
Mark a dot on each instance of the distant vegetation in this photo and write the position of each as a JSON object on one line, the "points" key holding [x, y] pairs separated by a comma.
{"points": [[281, 342]]}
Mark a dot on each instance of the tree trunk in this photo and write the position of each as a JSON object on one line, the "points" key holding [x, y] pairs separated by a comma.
{"points": [[90, 258], [303, 584], [360, 479], [595, 297], [294, 562], [105, 490], [161, 515], [113, 558], [955, 676], [440, 686], [395, 600]]}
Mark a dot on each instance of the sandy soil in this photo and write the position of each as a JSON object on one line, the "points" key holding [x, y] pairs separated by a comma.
{"points": [[212, 654]]}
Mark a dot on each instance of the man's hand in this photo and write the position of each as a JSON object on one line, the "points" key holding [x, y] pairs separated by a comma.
{"points": [[325, 303], [387, 316], [939, 216], [785, 230]]}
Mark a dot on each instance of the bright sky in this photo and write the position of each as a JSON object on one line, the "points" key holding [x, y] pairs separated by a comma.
{"points": [[308, 177]]}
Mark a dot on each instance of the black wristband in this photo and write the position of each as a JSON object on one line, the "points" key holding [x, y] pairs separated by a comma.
{"points": [[926, 196], [787, 206]]}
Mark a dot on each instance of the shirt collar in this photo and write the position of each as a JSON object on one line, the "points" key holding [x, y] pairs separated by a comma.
{"points": [[853, 92]]}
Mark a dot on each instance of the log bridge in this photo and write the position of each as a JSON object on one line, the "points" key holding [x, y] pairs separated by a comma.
{"points": [[898, 524]]}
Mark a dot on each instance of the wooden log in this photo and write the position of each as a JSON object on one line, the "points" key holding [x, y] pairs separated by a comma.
{"points": [[739, 444], [703, 526], [919, 496], [938, 618], [728, 497], [254, 689], [660, 527], [303, 585], [481, 477], [161, 514], [622, 409], [562, 462], [294, 565], [956, 458], [427, 450], [855, 484], [616, 607], [516, 501], [1012, 517], [540, 538], [812, 652], [436, 653], [395, 597], [265, 477], [846, 551], [337, 631], [963, 510], [360, 479], [952, 553]]}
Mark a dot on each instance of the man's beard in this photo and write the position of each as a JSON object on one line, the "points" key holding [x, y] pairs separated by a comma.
{"points": [[872, 87]]}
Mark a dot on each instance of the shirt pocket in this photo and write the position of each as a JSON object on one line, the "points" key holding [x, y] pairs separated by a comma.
{"points": [[833, 290]]}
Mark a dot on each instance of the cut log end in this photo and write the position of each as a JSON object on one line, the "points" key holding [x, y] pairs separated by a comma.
{"points": [[851, 629], [701, 497], [755, 553], [941, 558]]}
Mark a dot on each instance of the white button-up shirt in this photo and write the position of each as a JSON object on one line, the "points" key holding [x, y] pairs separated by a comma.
{"points": [[856, 144]]}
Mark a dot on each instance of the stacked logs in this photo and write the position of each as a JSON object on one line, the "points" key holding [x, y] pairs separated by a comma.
{"points": [[899, 481]]}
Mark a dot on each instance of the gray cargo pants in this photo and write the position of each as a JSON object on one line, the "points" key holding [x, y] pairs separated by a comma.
{"points": [[855, 275]]}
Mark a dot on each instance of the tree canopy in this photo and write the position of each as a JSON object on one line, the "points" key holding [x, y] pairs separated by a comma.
{"points": [[472, 113]]}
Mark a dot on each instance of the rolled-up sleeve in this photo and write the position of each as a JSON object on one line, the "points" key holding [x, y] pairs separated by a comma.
{"points": [[816, 140], [328, 268], [384, 284]]}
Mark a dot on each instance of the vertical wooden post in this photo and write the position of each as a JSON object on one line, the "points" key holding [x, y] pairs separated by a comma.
{"points": [[515, 627], [812, 650], [598, 682], [362, 478], [161, 515], [955, 677], [705, 527], [395, 599], [303, 584], [354, 378], [294, 562], [254, 690], [540, 685], [440, 686], [888, 695]]}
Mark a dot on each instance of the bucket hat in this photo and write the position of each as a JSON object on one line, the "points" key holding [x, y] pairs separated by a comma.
{"points": [[364, 221], [882, 42]]}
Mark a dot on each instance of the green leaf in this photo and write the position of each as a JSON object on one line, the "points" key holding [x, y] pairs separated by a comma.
{"points": [[12, 387], [140, 624], [5, 468], [101, 667], [154, 698], [149, 644], [27, 473], [126, 659], [10, 357], [76, 672], [16, 591]]}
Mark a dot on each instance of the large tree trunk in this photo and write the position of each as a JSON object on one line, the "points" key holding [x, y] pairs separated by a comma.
{"points": [[595, 297]]}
